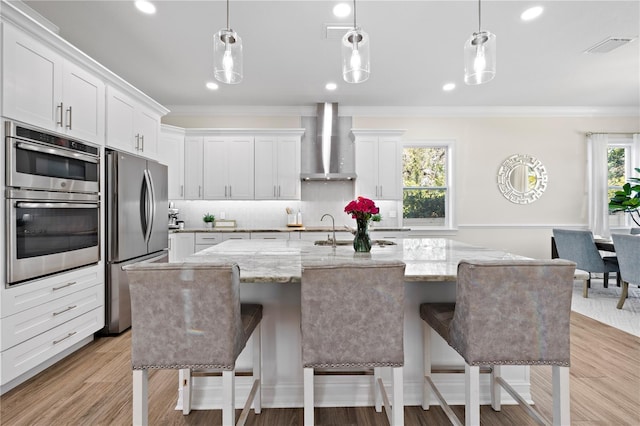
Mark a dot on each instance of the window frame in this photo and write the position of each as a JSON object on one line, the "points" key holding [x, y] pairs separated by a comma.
{"points": [[631, 160], [449, 208]]}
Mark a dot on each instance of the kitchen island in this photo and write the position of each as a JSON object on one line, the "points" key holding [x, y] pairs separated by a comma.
{"points": [[270, 273]]}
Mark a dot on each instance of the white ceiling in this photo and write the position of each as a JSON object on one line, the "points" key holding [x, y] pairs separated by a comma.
{"points": [[416, 47]]}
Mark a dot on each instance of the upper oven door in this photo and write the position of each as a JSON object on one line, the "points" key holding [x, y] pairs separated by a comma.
{"points": [[50, 232], [43, 165]]}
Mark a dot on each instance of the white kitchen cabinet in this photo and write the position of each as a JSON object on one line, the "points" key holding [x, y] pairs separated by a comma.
{"points": [[228, 168], [131, 126], [45, 317], [171, 153], [277, 168], [378, 164], [193, 164], [46, 90], [181, 245]]}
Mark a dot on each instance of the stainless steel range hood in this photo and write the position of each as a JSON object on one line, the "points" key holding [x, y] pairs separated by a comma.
{"points": [[327, 150]]}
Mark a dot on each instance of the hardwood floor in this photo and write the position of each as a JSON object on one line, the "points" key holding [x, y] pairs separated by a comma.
{"points": [[93, 387]]}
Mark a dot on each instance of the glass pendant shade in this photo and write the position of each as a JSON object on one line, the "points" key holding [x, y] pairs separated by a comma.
{"points": [[356, 66], [480, 58], [227, 57]]}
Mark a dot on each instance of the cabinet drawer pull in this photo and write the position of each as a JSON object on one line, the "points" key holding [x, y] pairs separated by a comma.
{"points": [[60, 108], [64, 286], [65, 310], [69, 118], [142, 143], [55, 342]]}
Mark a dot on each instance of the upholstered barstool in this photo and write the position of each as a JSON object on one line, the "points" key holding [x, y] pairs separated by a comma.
{"points": [[353, 318], [507, 312], [189, 317], [628, 251]]}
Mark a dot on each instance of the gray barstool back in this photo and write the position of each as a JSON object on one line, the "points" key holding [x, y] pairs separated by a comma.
{"points": [[507, 312], [188, 316], [353, 316]]}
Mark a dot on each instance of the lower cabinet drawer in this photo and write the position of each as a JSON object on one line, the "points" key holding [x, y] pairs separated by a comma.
{"points": [[27, 355], [31, 322]]}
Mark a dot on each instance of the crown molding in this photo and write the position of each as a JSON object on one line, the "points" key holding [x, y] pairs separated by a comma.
{"points": [[409, 111]]}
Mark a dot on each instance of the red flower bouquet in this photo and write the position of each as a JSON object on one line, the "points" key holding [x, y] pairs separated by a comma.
{"points": [[361, 208]]}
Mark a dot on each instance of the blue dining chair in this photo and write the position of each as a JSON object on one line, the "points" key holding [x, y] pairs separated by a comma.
{"points": [[580, 247], [628, 251]]}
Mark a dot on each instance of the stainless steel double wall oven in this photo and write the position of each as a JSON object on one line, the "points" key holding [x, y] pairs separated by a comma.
{"points": [[52, 203]]}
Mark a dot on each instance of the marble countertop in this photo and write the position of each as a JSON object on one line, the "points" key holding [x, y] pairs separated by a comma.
{"points": [[285, 229], [280, 261]]}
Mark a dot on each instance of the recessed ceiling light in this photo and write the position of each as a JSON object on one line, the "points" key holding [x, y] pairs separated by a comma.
{"points": [[341, 10], [212, 86], [531, 13], [146, 6], [331, 86], [449, 87]]}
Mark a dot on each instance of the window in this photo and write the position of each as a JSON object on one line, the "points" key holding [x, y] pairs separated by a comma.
{"points": [[620, 155], [426, 184]]}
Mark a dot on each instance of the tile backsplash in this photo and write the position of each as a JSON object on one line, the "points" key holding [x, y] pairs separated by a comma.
{"points": [[318, 198]]}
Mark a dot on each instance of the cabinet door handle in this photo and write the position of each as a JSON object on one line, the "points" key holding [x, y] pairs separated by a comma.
{"points": [[381, 190], [230, 196], [64, 310], [278, 191], [55, 342], [274, 191], [142, 143], [225, 191], [64, 286], [60, 108], [69, 118], [181, 190], [199, 191]]}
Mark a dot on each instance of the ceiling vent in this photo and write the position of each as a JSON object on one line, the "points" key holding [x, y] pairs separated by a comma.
{"points": [[609, 44]]}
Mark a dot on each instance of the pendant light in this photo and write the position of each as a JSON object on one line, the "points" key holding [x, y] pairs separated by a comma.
{"points": [[227, 55], [355, 54], [480, 56]]}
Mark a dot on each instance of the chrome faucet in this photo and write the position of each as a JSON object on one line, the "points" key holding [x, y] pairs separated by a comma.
{"points": [[333, 225]]}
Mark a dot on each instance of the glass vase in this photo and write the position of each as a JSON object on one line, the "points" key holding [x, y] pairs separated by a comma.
{"points": [[362, 242]]}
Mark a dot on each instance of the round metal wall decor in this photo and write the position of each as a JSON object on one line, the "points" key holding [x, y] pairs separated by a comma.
{"points": [[522, 178]]}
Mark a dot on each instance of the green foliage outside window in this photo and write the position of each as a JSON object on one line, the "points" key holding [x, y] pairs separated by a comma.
{"points": [[424, 182]]}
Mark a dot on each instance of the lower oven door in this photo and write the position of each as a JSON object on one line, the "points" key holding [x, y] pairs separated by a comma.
{"points": [[50, 232]]}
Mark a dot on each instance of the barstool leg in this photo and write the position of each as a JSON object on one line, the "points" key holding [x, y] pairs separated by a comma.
{"points": [[308, 397], [472, 398], [398, 397], [426, 357], [495, 388], [140, 398], [561, 399], [257, 368], [228, 398], [187, 382], [377, 393]]}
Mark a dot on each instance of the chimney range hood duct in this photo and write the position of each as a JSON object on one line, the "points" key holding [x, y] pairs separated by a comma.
{"points": [[330, 156]]}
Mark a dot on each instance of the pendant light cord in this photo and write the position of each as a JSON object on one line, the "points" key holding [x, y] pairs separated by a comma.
{"points": [[228, 29], [479, 16], [354, 14]]}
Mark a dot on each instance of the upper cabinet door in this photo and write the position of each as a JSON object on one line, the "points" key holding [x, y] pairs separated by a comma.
{"points": [[215, 169], [378, 167], [240, 172], [193, 160], [367, 167], [288, 170], [389, 177], [32, 83], [266, 164], [171, 153], [147, 128], [121, 112], [84, 103], [43, 89]]}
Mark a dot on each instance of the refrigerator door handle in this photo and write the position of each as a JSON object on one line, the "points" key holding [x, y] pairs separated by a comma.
{"points": [[147, 197], [152, 204]]}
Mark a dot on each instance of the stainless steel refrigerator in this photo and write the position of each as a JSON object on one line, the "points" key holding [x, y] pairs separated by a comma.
{"points": [[136, 227]]}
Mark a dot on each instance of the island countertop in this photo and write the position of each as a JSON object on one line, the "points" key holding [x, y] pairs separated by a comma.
{"points": [[281, 261]]}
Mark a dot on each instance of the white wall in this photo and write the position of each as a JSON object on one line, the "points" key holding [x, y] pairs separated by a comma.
{"points": [[484, 217]]}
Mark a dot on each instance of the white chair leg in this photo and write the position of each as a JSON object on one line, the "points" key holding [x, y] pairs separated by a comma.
{"points": [[377, 393], [472, 397], [496, 395], [426, 357], [187, 385], [228, 398], [257, 368], [308, 397], [561, 399], [398, 397], [140, 398]]}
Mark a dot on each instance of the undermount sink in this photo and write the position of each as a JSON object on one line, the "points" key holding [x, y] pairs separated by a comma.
{"points": [[350, 242]]}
